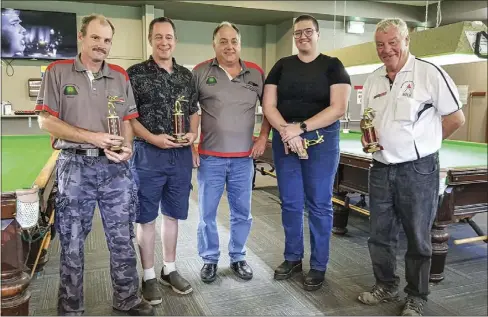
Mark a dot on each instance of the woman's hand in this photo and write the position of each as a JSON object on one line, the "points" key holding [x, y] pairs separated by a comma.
{"points": [[289, 131]]}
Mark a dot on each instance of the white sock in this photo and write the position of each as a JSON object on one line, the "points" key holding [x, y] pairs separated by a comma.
{"points": [[168, 267], [149, 274]]}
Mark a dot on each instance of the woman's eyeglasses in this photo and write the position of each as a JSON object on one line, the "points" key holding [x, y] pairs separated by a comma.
{"points": [[308, 33]]}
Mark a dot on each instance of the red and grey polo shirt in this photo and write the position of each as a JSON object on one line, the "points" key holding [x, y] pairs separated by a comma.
{"points": [[228, 108], [70, 93]]}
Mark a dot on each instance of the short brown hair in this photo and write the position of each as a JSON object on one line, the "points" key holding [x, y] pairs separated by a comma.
{"points": [[307, 17], [160, 20], [103, 20]]}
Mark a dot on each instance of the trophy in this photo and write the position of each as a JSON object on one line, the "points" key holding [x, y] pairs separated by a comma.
{"points": [[179, 121], [369, 132], [113, 121], [303, 155]]}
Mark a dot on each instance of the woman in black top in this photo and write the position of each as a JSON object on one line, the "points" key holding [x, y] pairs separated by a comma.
{"points": [[304, 97]]}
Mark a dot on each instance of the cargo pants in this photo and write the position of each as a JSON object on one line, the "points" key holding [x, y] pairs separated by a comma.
{"points": [[83, 182]]}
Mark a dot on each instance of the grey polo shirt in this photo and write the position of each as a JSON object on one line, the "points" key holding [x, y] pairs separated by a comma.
{"points": [[70, 93], [228, 108]]}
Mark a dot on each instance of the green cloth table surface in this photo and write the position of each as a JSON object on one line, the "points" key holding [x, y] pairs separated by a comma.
{"points": [[452, 154], [22, 159]]}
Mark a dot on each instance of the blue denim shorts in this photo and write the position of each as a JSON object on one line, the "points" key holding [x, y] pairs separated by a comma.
{"points": [[163, 179]]}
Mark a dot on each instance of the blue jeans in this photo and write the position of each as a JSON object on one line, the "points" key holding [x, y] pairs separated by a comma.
{"points": [[403, 194], [308, 183], [236, 175]]}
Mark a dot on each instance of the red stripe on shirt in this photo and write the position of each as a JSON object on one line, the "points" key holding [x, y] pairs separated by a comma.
{"points": [[223, 154], [255, 66], [119, 69], [131, 116], [64, 61], [202, 63], [46, 108]]}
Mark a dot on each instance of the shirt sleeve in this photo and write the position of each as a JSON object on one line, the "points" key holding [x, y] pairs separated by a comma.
{"points": [[131, 106], [445, 95], [48, 97], [193, 97], [336, 73], [275, 74]]}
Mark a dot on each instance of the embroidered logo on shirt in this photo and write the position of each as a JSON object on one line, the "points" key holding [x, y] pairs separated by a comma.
{"points": [[407, 88], [211, 80], [70, 90], [116, 99], [380, 95]]}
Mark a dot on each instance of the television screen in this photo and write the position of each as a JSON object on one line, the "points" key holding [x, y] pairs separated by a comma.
{"points": [[38, 34]]}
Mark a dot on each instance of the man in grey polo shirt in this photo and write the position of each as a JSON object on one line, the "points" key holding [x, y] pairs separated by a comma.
{"points": [[228, 90], [73, 108]]}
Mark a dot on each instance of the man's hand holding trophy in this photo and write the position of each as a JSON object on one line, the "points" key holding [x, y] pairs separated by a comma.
{"points": [[369, 138]]}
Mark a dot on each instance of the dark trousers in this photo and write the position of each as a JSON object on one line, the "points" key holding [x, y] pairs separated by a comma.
{"points": [[403, 194]]}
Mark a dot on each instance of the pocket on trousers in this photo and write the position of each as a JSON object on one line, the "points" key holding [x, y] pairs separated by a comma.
{"points": [[426, 166], [406, 109], [62, 215], [134, 210]]}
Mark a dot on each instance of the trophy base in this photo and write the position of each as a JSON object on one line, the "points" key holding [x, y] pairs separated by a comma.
{"points": [[372, 148], [180, 139], [116, 148]]}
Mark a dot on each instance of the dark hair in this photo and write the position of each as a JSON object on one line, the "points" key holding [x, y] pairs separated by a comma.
{"points": [[306, 17], [103, 20], [160, 20], [225, 23]]}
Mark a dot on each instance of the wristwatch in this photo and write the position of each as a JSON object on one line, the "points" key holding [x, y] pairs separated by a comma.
{"points": [[303, 126]]}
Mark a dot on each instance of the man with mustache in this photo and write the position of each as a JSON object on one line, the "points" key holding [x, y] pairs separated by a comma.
{"points": [[13, 34], [228, 90], [162, 167], [92, 166], [417, 106]]}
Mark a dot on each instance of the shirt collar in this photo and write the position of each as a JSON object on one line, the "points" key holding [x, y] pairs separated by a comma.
{"points": [[79, 67], [152, 63], [244, 68]]}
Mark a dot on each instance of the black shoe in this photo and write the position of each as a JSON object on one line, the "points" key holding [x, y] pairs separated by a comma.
{"points": [[314, 280], [151, 292], [286, 269], [141, 309], [208, 273], [242, 270], [176, 282]]}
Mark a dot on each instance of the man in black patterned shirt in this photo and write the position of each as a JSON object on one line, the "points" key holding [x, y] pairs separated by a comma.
{"points": [[162, 168]]}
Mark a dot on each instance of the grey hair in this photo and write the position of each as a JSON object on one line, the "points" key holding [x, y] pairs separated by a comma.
{"points": [[231, 25], [399, 24]]}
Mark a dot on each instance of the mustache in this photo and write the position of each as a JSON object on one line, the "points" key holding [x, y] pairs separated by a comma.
{"points": [[99, 49]]}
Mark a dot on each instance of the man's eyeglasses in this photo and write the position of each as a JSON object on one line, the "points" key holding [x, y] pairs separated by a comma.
{"points": [[308, 33]]}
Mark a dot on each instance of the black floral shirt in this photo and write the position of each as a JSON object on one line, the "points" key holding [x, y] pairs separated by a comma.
{"points": [[155, 93]]}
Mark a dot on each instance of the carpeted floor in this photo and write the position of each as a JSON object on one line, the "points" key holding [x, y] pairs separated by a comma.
{"points": [[463, 292]]}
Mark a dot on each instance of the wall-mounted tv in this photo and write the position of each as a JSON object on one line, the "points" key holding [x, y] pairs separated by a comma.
{"points": [[30, 34]]}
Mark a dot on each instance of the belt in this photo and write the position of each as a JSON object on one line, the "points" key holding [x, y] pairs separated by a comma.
{"points": [[380, 164], [87, 152]]}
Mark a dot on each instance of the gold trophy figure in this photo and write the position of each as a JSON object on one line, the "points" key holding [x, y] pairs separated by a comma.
{"points": [[179, 130], [113, 121], [369, 132]]}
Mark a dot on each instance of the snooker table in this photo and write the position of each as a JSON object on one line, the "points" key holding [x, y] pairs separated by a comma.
{"points": [[26, 161], [463, 188]]}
